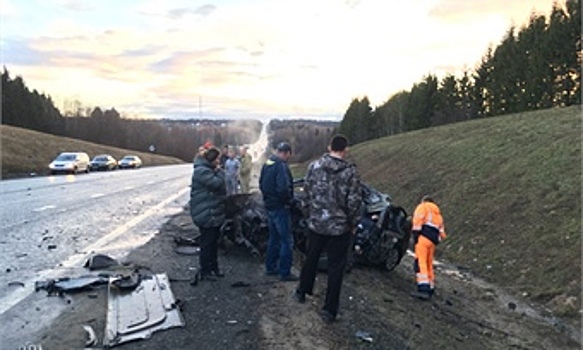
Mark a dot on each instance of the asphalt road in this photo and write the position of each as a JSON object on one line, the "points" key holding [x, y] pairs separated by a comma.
{"points": [[51, 225]]}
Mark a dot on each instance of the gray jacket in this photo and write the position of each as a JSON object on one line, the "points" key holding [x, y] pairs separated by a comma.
{"points": [[207, 194]]}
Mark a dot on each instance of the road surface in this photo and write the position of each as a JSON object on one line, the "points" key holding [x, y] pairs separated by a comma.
{"points": [[51, 225]]}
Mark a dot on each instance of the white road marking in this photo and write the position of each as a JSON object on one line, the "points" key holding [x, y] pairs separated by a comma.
{"points": [[97, 195], [9, 301], [45, 208]]}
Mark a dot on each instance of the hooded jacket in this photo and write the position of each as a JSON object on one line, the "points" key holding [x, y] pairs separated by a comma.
{"points": [[334, 196], [207, 194]]}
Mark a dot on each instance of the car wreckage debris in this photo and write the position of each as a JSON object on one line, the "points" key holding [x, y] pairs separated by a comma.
{"points": [[100, 261], [381, 239], [136, 314], [59, 286]]}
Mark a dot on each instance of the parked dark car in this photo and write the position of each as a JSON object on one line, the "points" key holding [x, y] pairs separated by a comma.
{"points": [[130, 162], [103, 162]]}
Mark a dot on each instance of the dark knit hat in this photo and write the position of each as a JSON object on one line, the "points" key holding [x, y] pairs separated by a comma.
{"points": [[211, 154]]}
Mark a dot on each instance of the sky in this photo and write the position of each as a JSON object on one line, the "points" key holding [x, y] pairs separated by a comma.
{"points": [[242, 59]]}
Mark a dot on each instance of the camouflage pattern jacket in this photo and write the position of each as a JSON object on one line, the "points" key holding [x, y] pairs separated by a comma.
{"points": [[334, 196]]}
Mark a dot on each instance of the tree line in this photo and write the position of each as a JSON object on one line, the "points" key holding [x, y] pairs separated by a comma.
{"points": [[534, 67], [178, 138], [308, 138]]}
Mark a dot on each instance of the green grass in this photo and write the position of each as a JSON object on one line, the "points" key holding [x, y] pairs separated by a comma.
{"points": [[510, 191], [26, 151]]}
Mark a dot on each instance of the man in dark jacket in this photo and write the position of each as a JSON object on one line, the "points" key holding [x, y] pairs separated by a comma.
{"points": [[207, 208], [333, 193], [276, 185]]}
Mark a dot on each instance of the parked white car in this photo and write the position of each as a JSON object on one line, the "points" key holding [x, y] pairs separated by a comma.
{"points": [[70, 163], [130, 161]]}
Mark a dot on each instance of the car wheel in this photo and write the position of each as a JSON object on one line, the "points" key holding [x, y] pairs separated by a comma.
{"points": [[393, 259]]}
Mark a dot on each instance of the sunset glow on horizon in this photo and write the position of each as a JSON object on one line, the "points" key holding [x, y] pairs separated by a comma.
{"points": [[246, 59]]}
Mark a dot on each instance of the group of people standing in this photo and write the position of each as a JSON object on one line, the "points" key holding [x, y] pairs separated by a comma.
{"points": [[237, 169], [334, 205]]}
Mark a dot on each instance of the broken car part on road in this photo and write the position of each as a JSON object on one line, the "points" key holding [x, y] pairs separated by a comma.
{"points": [[137, 313]]}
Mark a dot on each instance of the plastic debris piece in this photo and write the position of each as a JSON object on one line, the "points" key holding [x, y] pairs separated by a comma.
{"points": [[91, 337], [15, 284], [100, 261], [187, 250], [364, 336]]}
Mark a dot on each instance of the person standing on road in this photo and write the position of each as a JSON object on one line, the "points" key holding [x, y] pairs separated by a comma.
{"points": [[276, 185], [245, 173], [232, 167], [334, 197], [428, 230], [224, 156], [207, 209]]}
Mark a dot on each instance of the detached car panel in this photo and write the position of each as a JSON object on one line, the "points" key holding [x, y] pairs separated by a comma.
{"points": [[70, 163]]}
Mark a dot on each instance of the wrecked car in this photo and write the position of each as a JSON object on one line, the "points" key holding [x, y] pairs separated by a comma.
{"points": [[381, 238]]}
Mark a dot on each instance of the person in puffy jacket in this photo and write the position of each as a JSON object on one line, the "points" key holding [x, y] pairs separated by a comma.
{"points": [[207, 209], [276, 185], [428, 230], [334, 195]]}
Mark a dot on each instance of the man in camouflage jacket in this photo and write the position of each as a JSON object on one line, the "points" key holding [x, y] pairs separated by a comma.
{"points": [[334, 194]]}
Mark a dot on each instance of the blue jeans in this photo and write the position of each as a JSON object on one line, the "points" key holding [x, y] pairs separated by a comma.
{"points": [[280, 243]]}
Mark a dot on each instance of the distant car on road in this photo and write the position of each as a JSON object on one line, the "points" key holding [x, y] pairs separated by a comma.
{"points": [[103, 162], [70, 163], [130, 161]]}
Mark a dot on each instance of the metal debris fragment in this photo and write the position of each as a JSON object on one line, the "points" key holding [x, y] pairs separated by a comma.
{"points": [[136, 314]]}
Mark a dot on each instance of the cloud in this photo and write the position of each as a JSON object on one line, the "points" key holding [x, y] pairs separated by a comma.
{"points": [[516, 11], [294, 57], [204, 10], [18, 51], [76, 5]]}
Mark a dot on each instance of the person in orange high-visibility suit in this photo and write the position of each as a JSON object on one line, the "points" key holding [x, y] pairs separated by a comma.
{"points": [[428, 230]]}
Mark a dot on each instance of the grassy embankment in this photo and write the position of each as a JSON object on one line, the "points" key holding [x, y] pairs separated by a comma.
{"points": [[510, 191], [26, 151]]}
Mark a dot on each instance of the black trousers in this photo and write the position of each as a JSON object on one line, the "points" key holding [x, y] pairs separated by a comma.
{"points": [[209, 246], [336, 248]]}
